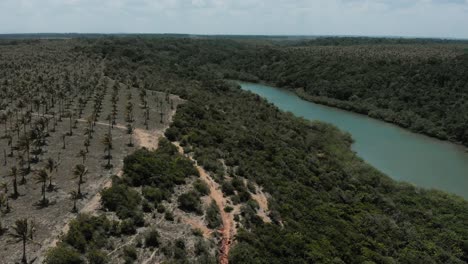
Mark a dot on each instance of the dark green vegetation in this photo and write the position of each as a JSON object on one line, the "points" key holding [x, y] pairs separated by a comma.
{"points": [[327, 205], [89, 236], [422, 88], [421, 84], [163, 168]]}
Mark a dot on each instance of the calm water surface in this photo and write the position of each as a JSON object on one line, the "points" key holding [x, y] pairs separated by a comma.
{"points": [[401, 154]]}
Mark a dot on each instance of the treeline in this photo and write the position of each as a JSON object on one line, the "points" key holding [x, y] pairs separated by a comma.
{"points": [[349, 41], [421, 85], [327, 205]]}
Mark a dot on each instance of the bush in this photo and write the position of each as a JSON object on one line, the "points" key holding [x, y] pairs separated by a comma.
{"points": [[169, 216], [179, 250], [146, 207], [127, 227], [130, 254], [213, 216], [190, 202], [161, 209], [121, 199], [164, 167], [63, 254], [238, 184], [201, 187], [97, 257], [88, 232], [197, 232], [152, 238], [227, 188], [153, 194]]}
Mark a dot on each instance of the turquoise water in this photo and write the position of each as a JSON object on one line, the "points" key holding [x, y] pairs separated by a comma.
{"points": [[399, 153]]}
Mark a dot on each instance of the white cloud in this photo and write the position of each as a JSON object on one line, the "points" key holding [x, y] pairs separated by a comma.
{"points": [[444, 18]]}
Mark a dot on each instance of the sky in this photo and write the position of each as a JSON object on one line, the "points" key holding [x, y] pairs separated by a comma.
{"points": [[411, 18]]}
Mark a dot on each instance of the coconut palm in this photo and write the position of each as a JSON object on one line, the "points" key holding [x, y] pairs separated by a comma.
{"points": [[24, 143], [107, 142], [14, 175], [21, 233], [79, 172], [41, 176], [74, 196], [82, 154], [130, 132], [4, 200], [87, 143], [50, 166]]}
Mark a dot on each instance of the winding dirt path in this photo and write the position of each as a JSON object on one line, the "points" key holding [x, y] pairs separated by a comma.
{"points": [[228, 229]]}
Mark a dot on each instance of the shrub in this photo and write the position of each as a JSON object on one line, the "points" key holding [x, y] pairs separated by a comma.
{"points": [[146, 207], [201, 187], [121, 199], [152, 238], [97, 257], [164, 167], [127, 227], [153, 194], [179, 250], [197, 232], [88, 231], [190, 202], [238, 184], [63, 254], [212, 215], [130, 254], [161, 209], [169, 216], [227, 188]]}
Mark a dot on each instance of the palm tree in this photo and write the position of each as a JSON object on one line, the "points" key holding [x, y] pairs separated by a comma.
{"points": [[79, 172], [82, 154], [129, 111], [63, 140], [14, 175], [4, 120], [130, 132], [74, 195], [107, 142], [21, 233], [50, 166], [4, 186], [41, 176], [87, 143], [24, 143]]}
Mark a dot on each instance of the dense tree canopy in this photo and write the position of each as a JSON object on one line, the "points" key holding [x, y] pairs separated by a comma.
{"points": [[327, 205]]}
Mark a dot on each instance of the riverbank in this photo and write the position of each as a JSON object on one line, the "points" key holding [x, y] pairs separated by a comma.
{"points": [[399, 153], [347, 106]]}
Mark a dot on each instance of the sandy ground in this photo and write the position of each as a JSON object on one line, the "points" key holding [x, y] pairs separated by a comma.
{"points": [[262, 200], [143, 138]]}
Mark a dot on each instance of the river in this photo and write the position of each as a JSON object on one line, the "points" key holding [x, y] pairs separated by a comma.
{"points": [[399, 153]]}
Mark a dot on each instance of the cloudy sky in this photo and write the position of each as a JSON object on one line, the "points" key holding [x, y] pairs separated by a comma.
{"points": [[419, 18]]}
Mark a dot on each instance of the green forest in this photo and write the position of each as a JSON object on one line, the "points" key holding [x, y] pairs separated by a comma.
{"points": [[418, 84], [327, 205], [154, 155]]}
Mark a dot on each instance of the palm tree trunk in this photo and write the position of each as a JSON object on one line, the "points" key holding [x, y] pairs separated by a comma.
{"points": [[43, 192], [24, 260], [15, 188], [74, 205], [108, 156]]}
